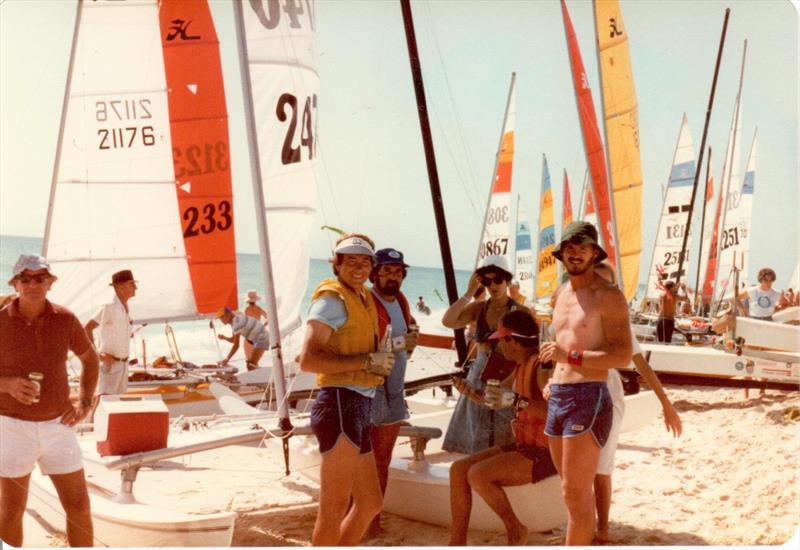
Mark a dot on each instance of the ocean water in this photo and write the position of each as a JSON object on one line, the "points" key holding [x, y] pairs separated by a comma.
{"points": [[197, 341]]}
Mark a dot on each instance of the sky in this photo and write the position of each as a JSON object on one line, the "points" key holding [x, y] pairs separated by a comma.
{"points": [[372, 176]]}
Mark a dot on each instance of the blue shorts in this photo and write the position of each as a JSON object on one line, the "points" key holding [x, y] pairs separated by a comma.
{"points": [[574, 409], [388, 409], [339, 411]]}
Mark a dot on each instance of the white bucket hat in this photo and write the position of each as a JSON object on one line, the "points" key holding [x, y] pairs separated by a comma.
{"points": [[498, 262], [29, 262]]}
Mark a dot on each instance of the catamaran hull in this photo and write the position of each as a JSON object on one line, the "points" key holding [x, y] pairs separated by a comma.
{"points": [[135, 524], [768, 334]]}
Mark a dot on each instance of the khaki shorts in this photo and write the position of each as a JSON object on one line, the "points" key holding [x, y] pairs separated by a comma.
{"points": [[113, 378], [23, 443]]}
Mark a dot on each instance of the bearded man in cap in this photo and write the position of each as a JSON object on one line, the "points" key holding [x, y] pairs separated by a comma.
{"points": [[389, 409], [37, 418], [592, 335], [115, 325]]}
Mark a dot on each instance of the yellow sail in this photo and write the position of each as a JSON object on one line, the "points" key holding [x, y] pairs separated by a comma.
{"points": [[546, 271], [621, 115]]}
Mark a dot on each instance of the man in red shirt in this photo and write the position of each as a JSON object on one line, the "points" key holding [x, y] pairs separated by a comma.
{"points": [[37, 419]]}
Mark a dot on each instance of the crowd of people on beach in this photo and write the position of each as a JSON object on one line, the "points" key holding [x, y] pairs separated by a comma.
{"points": [[541, 397]]}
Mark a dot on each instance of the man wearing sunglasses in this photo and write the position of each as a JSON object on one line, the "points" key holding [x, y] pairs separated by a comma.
{"points": [[473, 427], [592, 335], [37, 419], [341, 347]]}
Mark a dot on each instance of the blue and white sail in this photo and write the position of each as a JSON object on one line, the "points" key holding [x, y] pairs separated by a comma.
{"points": [[674, 216], [523, 268], [746, 206]]}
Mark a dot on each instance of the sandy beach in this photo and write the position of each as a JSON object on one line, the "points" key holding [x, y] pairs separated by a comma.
{"points": [[731, 479]]}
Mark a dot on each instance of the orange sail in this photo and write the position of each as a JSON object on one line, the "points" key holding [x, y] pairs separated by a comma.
{"points": [[592, 143], [566, 204], [711, 265]]}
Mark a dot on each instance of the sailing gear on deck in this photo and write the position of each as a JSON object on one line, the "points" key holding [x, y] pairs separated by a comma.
{"points": [[342, 412], [574, 409], [580, 233], [49, 443], [39, 346], [358, 334]]}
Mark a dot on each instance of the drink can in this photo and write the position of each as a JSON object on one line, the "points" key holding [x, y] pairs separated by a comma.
{"points": [[36, 378]]}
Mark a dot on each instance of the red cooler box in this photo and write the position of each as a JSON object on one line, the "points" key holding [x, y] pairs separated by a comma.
{"points": [[130, 424]]}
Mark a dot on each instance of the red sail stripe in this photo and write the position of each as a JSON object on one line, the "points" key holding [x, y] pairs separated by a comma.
{"points": [[567, 214], [200, 149], [593, 145], [711, 265]]}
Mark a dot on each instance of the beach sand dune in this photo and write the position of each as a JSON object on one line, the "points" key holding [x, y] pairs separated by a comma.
{"points": [[731, 479]]}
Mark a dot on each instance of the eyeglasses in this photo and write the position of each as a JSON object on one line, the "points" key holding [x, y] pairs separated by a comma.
{"points": [[36, 279], [486, 281]]}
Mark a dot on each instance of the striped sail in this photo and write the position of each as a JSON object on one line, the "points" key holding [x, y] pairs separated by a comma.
{"points": [[142, 175], [523, 270], [746, 206], [566, 216], [674, 215], [593, 145], [588, 212], [546, 272], [496, 233], [285, 87], [711, 261], [621, 115], [708, 232]]}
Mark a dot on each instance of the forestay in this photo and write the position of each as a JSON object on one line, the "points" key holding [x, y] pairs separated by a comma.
{"points": [[285, 85], [142, 174]]}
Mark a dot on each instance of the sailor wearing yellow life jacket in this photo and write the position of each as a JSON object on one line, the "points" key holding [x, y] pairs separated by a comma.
{"points": [[341, 347]]}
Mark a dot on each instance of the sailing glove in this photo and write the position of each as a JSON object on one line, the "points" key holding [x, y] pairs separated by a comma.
{"points": [[380, 363]]}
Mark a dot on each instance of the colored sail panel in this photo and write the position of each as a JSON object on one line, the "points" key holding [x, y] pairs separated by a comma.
{"points": [[593, 145], [281, 44], [523, 271], [589, 212], [746, 208], [113, 201], [709, 230], [496, 233], [621, 115], [546, 272], [200, 150], [674, 215], [711, 265], [566, 209]]}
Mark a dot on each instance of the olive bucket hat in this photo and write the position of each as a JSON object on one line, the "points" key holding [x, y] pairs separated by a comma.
{"points": [[581, 233]]}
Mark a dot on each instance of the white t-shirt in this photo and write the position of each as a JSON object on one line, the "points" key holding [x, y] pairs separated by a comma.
{"points": [[115, 328], [762, 302]]}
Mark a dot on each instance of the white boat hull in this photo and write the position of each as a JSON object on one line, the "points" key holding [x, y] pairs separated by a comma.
{"points": [[768, 334]]}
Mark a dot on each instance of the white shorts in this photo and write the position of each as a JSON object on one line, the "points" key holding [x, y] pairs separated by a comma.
{"points": [[606, 463], [113, 378], [23, 443]]}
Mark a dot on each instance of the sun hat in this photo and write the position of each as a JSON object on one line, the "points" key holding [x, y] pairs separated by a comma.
{"points": [[495, 263], [354, 245], [386, 256], [252, 296], [29, 262], [124, 276], [222, 311], [580, 233]]}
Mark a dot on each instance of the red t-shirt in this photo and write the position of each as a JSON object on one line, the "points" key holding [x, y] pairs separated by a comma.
{"points": [[39, 346]]}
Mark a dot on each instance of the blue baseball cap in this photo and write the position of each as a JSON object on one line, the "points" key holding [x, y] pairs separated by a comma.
{"points": [[386, 256]]}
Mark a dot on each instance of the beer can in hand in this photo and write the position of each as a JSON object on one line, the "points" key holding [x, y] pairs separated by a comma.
{"points": [[36, 378]]}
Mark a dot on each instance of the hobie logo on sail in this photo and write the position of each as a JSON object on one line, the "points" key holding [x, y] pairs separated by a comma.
{"points": [[180, 29]]}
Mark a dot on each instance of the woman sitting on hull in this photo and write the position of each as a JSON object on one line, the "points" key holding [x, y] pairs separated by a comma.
{"points": [[473, 427]]}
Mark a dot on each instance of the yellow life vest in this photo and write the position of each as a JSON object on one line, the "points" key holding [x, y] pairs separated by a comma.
{"points": [[359, 334]]}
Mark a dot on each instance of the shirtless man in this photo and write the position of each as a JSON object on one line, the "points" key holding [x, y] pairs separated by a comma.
{"points": [[666, 316], [592, 335]]}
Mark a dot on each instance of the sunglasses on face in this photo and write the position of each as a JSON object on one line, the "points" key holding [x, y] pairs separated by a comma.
{"points": [[486, 281], [36, 279]]}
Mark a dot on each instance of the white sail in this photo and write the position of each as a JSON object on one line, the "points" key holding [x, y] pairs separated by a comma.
{"points": [[130, 164], [746, 207], [523, 270], [674, 215], [285, 89], [496, 235]]}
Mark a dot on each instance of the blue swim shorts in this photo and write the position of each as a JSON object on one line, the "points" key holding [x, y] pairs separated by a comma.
{"points": [[573, 409], [339, 411]]}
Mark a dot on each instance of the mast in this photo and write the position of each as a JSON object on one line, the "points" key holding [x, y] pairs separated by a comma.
{"points": [[261, 223], [703, 145], [64, 105], [726, 184], [433, 175], [698, 293], [496, 163]]}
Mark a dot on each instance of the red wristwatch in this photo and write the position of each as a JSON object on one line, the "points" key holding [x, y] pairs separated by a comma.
{"points": [[575, 358]]}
